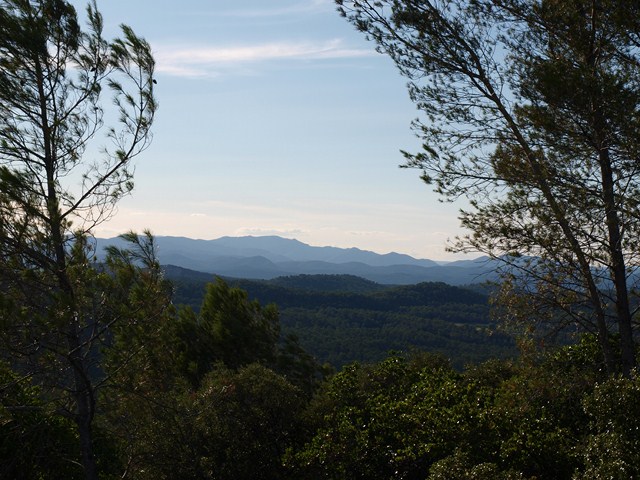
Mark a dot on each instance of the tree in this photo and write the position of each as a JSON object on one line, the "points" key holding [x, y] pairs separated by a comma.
{"points": [[56, 184], [531, 112], [235, 331], [140, 395], [245, 421], [229, 328]]}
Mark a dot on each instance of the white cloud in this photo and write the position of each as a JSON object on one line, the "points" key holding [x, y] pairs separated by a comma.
{"points": [[311, 6], [259, 232], [199, 61]]}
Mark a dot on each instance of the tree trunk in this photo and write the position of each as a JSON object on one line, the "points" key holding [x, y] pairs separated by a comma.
{"points": [[617, 265], [618, 268], [84, 417], [82, 393]]}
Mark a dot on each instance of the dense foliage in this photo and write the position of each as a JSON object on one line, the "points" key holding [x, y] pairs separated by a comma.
{"points": [[183, 410], [417, 418]]}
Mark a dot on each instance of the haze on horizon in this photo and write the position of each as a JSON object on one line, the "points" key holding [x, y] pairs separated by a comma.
{"points": [[276, 120]]}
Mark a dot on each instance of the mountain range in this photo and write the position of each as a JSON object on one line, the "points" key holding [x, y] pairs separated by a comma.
{"points": [[269, 257]]}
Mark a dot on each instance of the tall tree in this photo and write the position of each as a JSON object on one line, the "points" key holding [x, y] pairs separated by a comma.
{"points": [[230, 329], [531, 112], [56, 183]]}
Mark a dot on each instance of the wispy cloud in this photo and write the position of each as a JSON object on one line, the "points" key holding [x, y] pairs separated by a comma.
{"points": [[289, 233], [209, 61], [294, 8]]}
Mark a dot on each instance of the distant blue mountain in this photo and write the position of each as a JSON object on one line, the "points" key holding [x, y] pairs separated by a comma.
{"points": [[271, 257]]}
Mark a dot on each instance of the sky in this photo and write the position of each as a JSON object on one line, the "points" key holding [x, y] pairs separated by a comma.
{"points": [[276, 118]]}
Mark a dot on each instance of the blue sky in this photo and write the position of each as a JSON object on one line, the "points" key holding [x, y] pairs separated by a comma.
{"points": [[276, 117]]}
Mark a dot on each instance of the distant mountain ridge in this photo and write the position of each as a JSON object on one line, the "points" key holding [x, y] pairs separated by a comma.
{"points": [[270, 257]]}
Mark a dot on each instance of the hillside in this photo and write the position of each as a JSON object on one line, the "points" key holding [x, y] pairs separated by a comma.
{"points": [[340, 318]]}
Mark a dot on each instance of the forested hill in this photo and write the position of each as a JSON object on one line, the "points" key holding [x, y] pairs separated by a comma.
{"points": [[329, 283], [342, 318], [330, 291]]}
